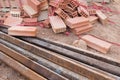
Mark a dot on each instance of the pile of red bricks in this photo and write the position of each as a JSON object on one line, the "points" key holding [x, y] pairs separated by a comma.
{"points": [[76, 15], [22, 13]]}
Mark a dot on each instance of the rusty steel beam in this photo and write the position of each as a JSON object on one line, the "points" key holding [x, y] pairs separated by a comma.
{"points": [[75, 56], [31, 64], [57, 60], [70, 64], [54, 67], [71, 48], [20, 68]]}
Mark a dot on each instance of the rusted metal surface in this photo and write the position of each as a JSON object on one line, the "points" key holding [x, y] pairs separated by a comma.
{"points": [[20, 68], [66, 62], [69, 64], [71, 54], [31, 64], [54, 67], [71, 48]]}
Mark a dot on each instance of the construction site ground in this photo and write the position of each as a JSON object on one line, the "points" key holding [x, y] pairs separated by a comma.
{"points": [[109, 32]]}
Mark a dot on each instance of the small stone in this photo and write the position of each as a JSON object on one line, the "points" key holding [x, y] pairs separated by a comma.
{"points": [[75, 43], [80, 44]]}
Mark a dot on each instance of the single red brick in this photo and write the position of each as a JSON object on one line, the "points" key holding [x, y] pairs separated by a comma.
{"points": [[82, 30], [97, 44], [102, 17], [77, 22], [57, 24], [22, 31]]}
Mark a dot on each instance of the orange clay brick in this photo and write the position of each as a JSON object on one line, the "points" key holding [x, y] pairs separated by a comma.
{"points": [[79, 29], [68, 9], [97, 44], [22, 31], [57, 24], [76, 22], [62, 5], [102, 17], [54, 4], [62, 14], [15, 13], [83, 12], [83, 29], [34, 4], [13, 21], [73, 14], [7, 4], [44, 4], [30, 19], [93, 19], [92, 11], [31, 12], [73, 4]]}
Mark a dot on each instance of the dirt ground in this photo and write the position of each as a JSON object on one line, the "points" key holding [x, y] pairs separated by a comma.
{"points": [[7, 73], [110, 32]]}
